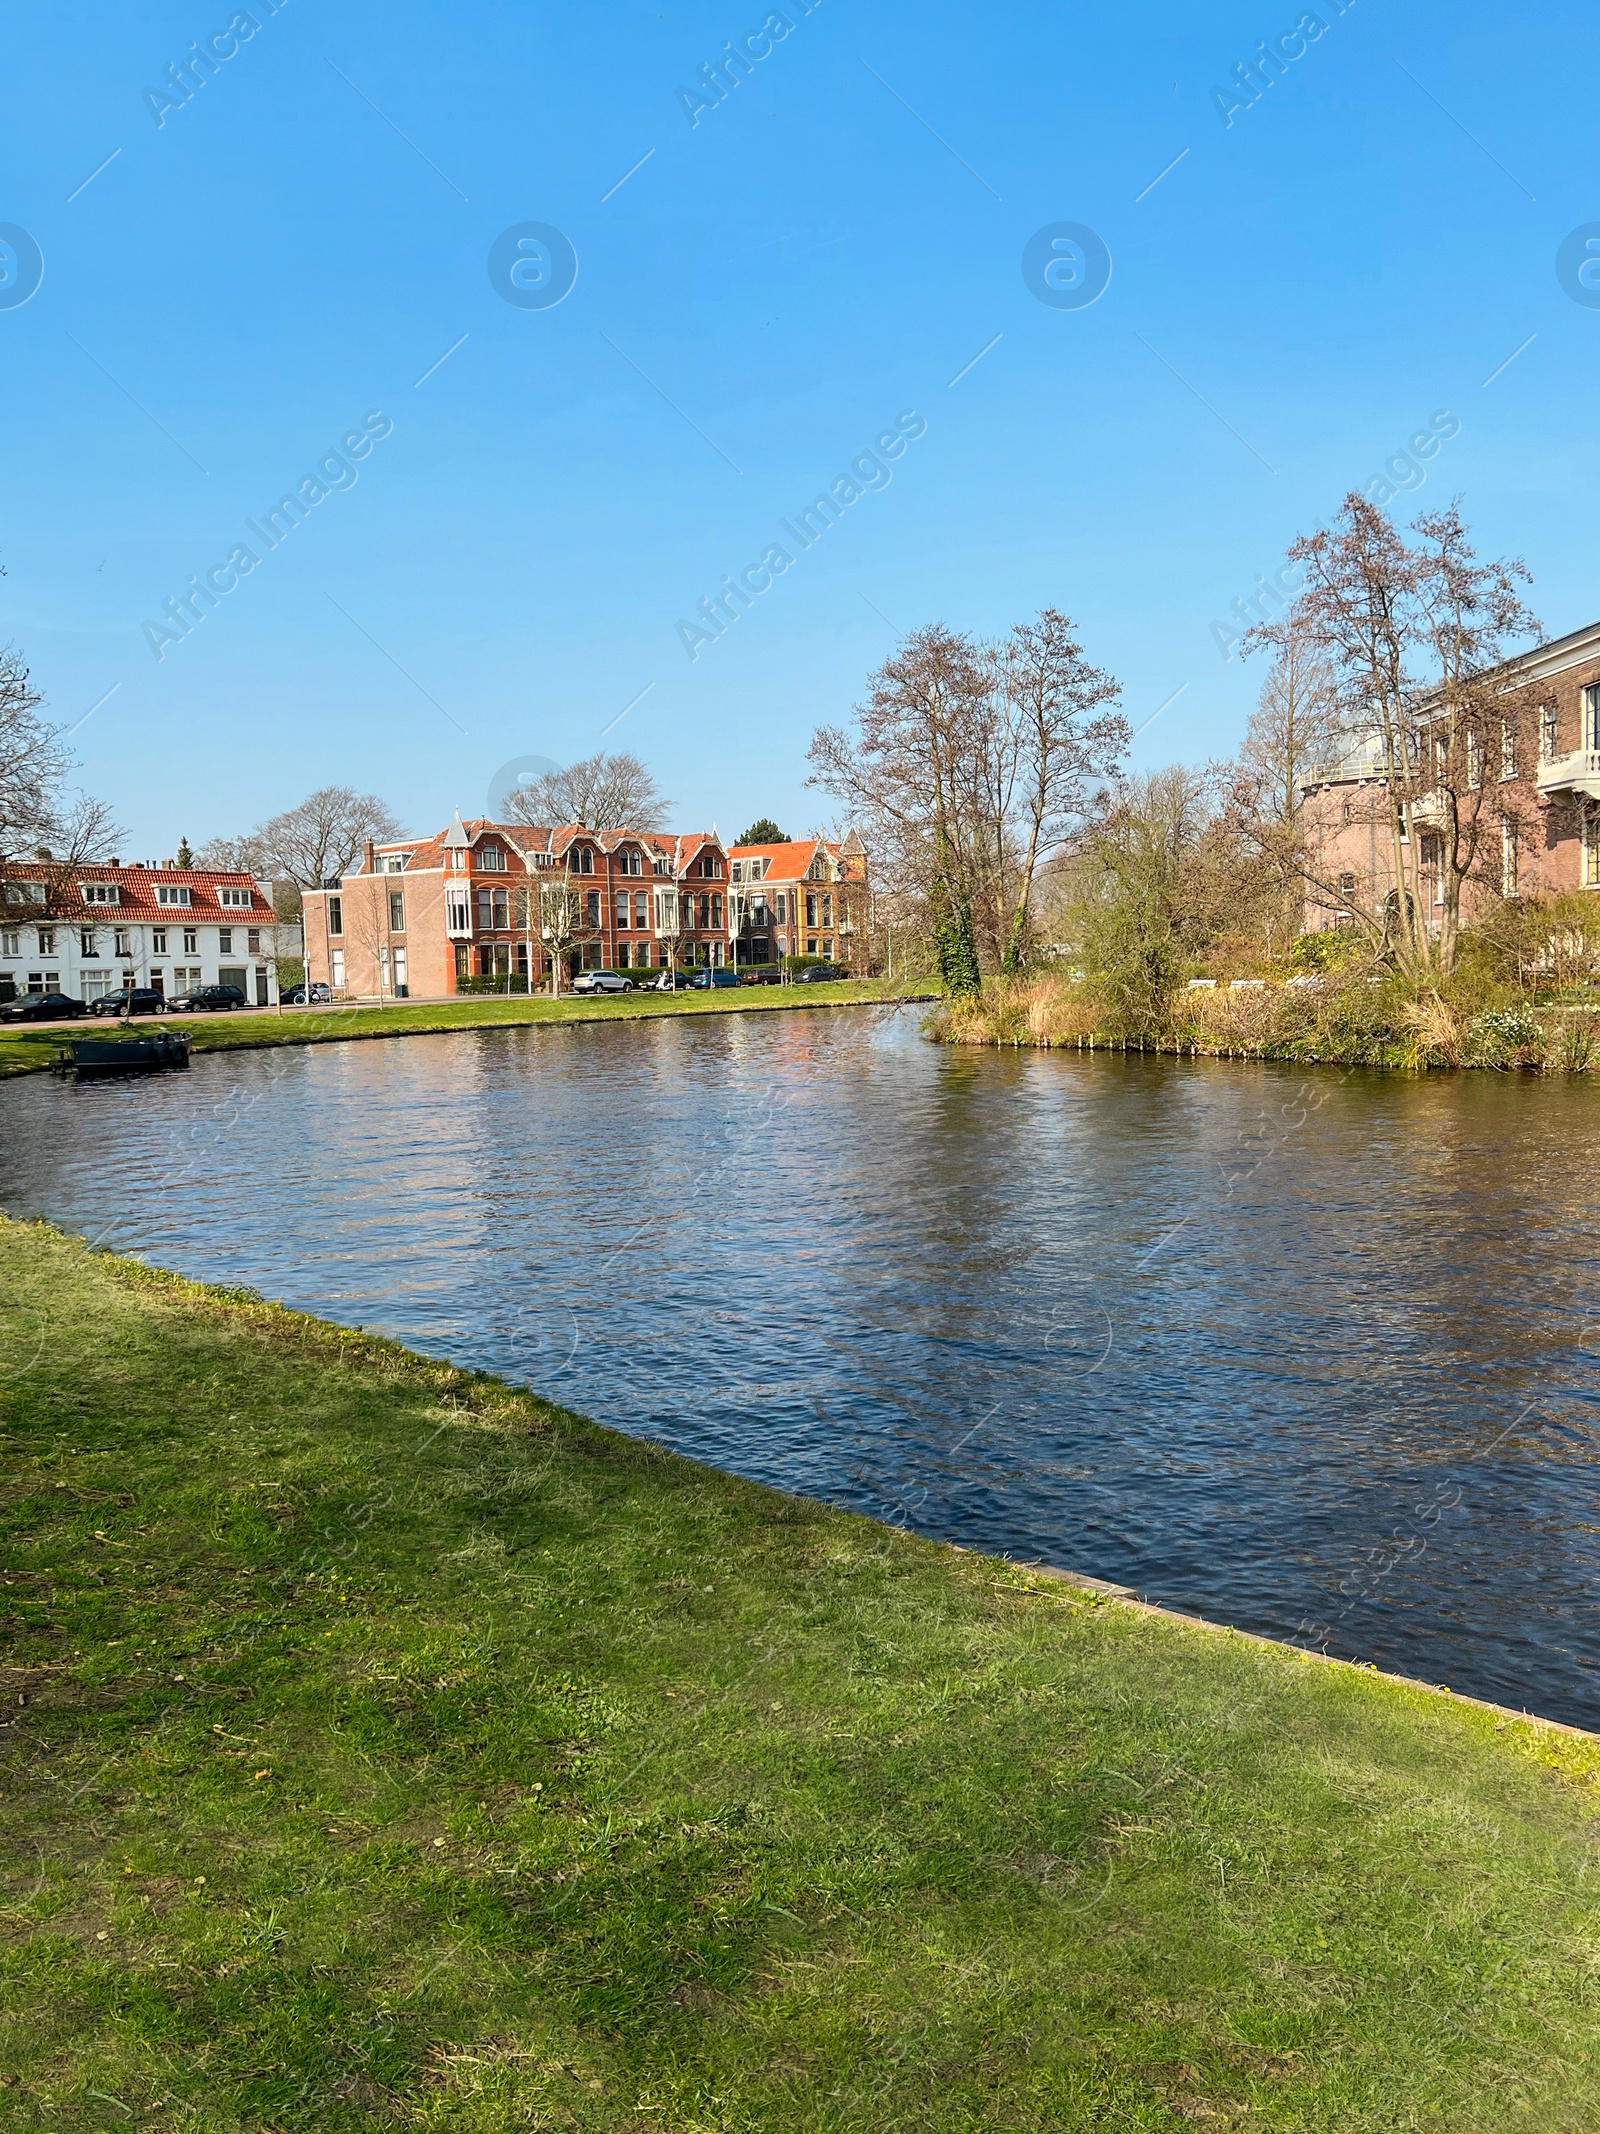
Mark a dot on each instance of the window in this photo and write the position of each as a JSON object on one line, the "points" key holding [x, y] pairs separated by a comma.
{"points": [[191, 941], [336, 915], [1547, 734], [811, 946], [710, 865], [397, 911], [100, 892], [663, 866], [1432, 866], [1591, 716], [811, 908], [399, 969], [591, 908], [158, 941], [173, 893], [457, 914], [253, 940], [225, 941], [463, 960], [43, 981], [827, 950], [591, 955], [88, 941], [630, 861], [94, 985], [1474, 762], [716, 912], [581, 859], [1508, 748], [781, 908], [336, 970], [1508, 859], [235, 899], [1591, 848], [10, 942], [47, 940], [24, 892], [396, 862], [494, 909], [827, 909], [492, 860], [641, 908], [624, 910], [736, 871]]}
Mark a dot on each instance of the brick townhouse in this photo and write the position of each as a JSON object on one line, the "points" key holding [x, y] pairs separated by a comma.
{"points": [[805, 898], [1546, 838], [88, 931], [422, 915]]}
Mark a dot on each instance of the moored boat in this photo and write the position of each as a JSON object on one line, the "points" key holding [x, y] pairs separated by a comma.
{"points": [[124, 1055]]}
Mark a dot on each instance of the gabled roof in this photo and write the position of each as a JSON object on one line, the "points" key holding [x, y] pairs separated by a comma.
{"points": [[138, 899], [429, 853], [792, 862]]}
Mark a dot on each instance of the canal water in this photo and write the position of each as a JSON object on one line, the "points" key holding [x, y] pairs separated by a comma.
{"points": [[1307, 1352]]}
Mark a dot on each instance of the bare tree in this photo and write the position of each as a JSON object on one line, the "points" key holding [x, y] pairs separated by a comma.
{"points": [[1296, 725], [603, 792], [561, 920], [309, 845], [1412, 637], [34, 765], [968, 766], [1056, 741]]}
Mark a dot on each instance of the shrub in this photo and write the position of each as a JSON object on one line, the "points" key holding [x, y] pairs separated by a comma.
{"points": [[1506, 1037]]}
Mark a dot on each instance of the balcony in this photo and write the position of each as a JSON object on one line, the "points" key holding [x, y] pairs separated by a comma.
{"points": [[1576, 772]]}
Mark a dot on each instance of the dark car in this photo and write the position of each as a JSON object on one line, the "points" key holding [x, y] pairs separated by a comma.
{"points": [[207, 997], [42, 1008], [705, 980], [819, 973], [670, 982], [296, 995], [135, 1000]]}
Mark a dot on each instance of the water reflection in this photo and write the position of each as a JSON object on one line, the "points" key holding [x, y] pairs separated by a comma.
{"points": [[1301, 1352]]}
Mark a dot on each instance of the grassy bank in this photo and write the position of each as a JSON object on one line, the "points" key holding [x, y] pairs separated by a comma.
{"points": [[389, 1750], [1350, 1022], [22, 1049]]}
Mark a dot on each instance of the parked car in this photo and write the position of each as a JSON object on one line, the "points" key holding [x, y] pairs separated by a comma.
{"points": [[133, 1000], [820, 973], [706, 980], [43, 1008], [602, 982], [206, 997], [296, 995]]}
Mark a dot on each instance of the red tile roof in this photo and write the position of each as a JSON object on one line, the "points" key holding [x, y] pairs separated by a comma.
{"points": [[429, 852], [138, 899]]}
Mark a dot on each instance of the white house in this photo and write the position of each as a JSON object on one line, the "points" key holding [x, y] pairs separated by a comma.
{"points": [[86, 931]]}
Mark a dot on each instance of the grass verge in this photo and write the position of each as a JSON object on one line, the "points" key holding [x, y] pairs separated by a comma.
{"points": [[387, 1749], [22, 1049]]}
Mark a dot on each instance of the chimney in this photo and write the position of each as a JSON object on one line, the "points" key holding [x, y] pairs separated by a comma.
{"points": [[42, 852], [370, 865]]}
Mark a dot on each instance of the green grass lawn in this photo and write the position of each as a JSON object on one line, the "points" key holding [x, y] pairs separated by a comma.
{"points": [[22, 1048], [384, 1749]]}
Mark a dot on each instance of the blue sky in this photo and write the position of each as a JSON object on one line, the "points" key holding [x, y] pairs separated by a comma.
{"points": [[825, 250]]}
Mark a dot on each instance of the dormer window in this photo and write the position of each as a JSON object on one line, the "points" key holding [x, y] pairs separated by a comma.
{"points": [[630, 861], [663, 866], [235, 899], [710, 865], [492, 859], [174, 893], [396, 862], [100, 892], [581, 859], [24, 892]]}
